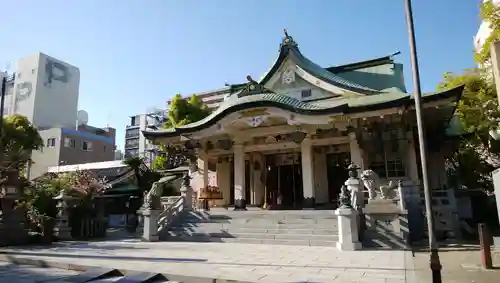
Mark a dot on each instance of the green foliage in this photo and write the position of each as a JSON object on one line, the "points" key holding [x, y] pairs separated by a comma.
{"points": [[145, 176], [490, 13], [37, 197], [181, 112], [160, 161], [19, 139], [478, 109], [84, 185], [478, 154], [38, 200], [468, 169], [134, 162]]}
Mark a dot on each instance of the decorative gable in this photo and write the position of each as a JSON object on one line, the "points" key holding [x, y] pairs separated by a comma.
{"points": [[291, 66]]}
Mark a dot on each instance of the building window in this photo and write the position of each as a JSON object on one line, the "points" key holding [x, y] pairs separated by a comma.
{"points": [[135, 121], [131, 153], [387, 164], [132, 133], [51, 142], [69, 142], [306, 93], [104, 149], [87, 146], [131, 143]]}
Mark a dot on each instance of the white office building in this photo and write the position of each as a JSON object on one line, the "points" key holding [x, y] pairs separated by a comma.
{"points": [[135, 143], [484, 30], [45, 90]]}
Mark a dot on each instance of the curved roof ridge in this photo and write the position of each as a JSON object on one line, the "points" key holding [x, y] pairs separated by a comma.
{"points": [[288, 46]]}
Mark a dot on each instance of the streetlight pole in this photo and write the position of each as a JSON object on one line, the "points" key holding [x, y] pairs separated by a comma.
{"points": [[435, 263]]}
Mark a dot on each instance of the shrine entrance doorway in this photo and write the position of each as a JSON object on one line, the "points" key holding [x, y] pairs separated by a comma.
{"points": [[284, 181]]}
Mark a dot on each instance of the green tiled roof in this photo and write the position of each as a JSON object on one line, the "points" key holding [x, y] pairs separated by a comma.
{"points": [[335, 105], [289, 48]]}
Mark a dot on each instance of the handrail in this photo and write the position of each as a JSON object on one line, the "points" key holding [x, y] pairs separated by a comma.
{"points": [[157, 188], [171, 212]]}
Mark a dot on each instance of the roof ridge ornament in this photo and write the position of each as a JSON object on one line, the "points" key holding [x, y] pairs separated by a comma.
{"points": [[288, 40], [252, 87]]}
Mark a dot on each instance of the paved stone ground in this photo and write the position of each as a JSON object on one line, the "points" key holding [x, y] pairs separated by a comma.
{"points": [[245, 262], [10, 273], [461, 264]]}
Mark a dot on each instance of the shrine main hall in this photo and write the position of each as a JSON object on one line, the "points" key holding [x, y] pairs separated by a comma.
{"points": [[284, 141]]}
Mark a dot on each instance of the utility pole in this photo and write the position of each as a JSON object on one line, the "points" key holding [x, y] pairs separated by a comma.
{"points": [[2, 105], [435, 264]]}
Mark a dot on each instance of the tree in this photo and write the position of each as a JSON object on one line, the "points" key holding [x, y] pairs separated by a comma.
{"points": [[37, 197], [478, 108], [19, 139], [181, 112], [478, 154], [145, 176]]}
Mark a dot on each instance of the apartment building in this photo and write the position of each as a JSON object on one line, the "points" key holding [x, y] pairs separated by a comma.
{"points": [[45, 90], [211, 99], [135, 143], [68, 146]]}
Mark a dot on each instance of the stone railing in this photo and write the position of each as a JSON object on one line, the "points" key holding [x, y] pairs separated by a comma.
{"points": [[171, 213], [158, 220]]}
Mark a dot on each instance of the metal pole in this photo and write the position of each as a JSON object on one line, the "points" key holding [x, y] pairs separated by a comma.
{"points": [[2, 102], [3, 90], [435, 263]]}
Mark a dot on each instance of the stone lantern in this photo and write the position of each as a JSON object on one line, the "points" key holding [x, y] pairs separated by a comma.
{"points": [[12, 220], [62, 229], [353, 169]]}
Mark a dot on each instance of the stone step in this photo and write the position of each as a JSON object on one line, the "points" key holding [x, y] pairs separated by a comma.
{"points": [[261, 221], [259, 225], [300, 242], [245, 229], [280, 215], [249, 235]]}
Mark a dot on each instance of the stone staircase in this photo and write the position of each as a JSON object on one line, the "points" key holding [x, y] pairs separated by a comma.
{"points": [[255, 226]]}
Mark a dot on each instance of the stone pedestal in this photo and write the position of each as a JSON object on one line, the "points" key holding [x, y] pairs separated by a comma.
{"points": [[150, 232], [187, 194], [13, 223], [386, 224], [348, 229]]}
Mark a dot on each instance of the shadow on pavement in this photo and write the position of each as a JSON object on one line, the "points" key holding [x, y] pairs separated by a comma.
{"points": [[124, 258], [10, 272], [54, 257]]}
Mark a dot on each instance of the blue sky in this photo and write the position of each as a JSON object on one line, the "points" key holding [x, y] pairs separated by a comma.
{"points": [[135, 54]]}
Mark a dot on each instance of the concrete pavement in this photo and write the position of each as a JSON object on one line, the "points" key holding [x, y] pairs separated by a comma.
{"points": [[10, 273], [461, 264], [244, 262]]}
